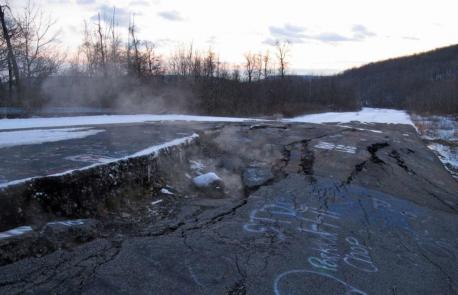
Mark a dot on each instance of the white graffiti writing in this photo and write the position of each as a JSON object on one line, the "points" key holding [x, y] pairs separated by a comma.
{"points": [[329, 256], [306, 276], [273, 217], [359, 256], [380, 204], [322, 227]]}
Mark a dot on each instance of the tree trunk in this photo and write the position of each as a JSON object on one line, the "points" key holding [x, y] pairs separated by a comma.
{"points": [[11, 56]]}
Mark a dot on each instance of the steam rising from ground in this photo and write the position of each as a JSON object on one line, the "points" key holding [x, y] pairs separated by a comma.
{"points": [[120, 94]]}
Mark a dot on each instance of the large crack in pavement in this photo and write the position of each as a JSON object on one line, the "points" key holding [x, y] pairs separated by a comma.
{"points": [[304, 166], [372, 149]]}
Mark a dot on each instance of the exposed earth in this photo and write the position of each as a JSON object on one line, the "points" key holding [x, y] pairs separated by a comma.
{"points": [[288, 209]]}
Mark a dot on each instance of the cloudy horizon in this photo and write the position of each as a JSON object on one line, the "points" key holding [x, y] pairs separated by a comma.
{"points": [[326, 37]]}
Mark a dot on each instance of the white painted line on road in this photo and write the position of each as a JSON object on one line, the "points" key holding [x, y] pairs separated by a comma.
{"points": [[333, 147], [361, 129]]}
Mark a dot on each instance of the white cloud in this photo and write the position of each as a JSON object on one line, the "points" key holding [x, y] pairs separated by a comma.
{"points": [[85, 2], [140, 3], [171, 15], [360, 32], [294, 34], [122, 15]]}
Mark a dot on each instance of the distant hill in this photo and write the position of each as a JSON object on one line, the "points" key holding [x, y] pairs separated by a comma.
{"points": [[425, 82]]}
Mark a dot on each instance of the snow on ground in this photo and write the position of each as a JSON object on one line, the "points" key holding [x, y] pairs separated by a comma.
{"points": [[197, 165], [206, 180], [156, 202], [437, 127], [24, 137], [6, 124], [90, 158], [366, 115], [166, 191], [155, 149], [448, 156], [441, 136], [18, 231]]}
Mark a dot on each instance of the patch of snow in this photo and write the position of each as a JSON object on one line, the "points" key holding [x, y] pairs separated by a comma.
{"points": [[437, 127], [206, 180], [6, 124], [155, 149], [196, 165], [442, 134], [366, 115], [447, 155], [68, 223], [37, 136], [90, 158], [18, 231], [156, 202], [166, 191], [151, 151]]}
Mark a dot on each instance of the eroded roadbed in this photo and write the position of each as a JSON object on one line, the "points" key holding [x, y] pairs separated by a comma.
{"points": [[300, 209]]}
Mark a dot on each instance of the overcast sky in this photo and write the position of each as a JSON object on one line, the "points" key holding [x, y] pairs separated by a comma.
{"points": [[326, 35]]}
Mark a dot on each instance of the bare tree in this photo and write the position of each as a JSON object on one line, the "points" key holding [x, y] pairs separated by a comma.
{"points": [[266, 64], [13, 69], [236, 73], [152, 59], [87, 49], [257, 62], [101, 47], [223, 70], [115, 45], [250, 61], [282, 51], [101, 44], [197, 66], [210, 64], [134, 45], [37, 58]]}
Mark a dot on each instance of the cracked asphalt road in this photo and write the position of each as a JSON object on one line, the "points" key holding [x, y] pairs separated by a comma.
{"points": [[364, 210], [116, 141]]}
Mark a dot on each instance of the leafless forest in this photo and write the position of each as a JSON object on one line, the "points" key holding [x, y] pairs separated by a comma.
{"points": [[425, 83], [128, 74]]}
